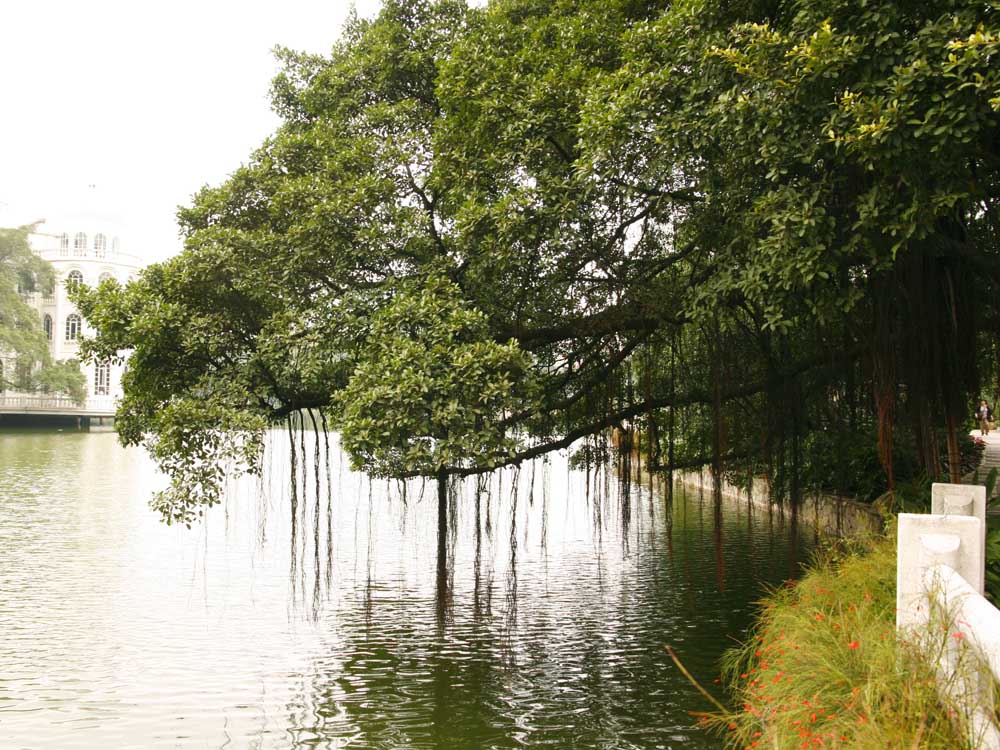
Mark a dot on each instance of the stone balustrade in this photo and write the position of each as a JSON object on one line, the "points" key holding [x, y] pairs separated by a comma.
{"points": [[940, 578], [38, 403]]}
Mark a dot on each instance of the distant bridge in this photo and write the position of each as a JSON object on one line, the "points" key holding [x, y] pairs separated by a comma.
{"points": [[101, 407]]}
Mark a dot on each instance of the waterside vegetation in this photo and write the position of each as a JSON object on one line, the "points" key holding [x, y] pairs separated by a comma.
{"points": [[738, 234], [824, 666]]}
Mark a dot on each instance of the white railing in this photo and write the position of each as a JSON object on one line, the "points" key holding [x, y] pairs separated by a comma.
{"points": [[107, 256], [41, 402], [940, 574]]}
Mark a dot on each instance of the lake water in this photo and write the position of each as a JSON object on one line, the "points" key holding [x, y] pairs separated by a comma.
{"points": [[546, 627]]}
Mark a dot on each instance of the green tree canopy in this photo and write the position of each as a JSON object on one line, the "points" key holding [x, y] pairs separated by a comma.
{"points": [[24, 349], [21, 272], [482, 234]]}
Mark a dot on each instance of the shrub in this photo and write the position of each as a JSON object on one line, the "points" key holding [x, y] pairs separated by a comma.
{"points": [[847, 463], [824, 667]]}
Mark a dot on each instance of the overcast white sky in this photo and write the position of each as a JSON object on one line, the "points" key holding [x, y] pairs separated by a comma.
{"points": [[147, 101]]}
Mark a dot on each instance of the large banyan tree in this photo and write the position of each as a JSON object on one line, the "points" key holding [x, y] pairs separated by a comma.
{"points": [[736, 232]]}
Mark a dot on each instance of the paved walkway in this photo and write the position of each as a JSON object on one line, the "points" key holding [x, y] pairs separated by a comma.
{"points": [[991, 458]]}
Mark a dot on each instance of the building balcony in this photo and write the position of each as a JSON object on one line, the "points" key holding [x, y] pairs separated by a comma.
{"points": [[113, 257]]}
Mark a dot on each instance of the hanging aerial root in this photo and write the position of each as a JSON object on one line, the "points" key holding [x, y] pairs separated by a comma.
{"points": [[293, 457]]}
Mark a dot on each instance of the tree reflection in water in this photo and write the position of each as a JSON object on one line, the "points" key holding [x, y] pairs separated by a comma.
{"points": [[573, 656]]}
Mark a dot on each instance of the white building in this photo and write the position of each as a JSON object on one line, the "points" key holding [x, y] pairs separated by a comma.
{"points": [[82, 250]]}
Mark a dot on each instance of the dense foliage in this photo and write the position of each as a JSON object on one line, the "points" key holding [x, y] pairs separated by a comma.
{"points": [[726, 229], [26, 364]]}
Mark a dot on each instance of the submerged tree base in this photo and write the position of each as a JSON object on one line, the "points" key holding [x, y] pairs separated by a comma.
{"points": [[824, 668]]}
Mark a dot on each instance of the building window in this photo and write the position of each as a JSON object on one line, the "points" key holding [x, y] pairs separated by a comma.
{"points": [[47, 325], [102, 379], [73, 326], [100, 245], [74, 279], [115, 246], [105, 275], [64, 244]]}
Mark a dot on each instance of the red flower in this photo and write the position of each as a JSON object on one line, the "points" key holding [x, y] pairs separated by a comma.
{"points": [[853, 644]]}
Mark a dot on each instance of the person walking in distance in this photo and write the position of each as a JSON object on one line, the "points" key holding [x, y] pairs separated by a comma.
{"points": [[985, 415]]}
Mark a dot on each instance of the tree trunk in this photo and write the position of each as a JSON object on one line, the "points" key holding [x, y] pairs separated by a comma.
{"points": [[954, 457], [442, 545], [718, 429], [671, 419]]}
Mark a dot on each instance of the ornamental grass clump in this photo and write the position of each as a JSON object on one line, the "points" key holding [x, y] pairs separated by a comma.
{"points": [[823, 667]]}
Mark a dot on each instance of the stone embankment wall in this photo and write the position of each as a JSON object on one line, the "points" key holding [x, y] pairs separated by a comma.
{"points": [[830, 514]]}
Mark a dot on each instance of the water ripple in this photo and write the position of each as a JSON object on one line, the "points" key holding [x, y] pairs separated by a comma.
{"points": [[545, 628]]}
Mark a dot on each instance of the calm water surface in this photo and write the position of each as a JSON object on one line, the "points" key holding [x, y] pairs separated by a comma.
{"points": [[546, 628]]}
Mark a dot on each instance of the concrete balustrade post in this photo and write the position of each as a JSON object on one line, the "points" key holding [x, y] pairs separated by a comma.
{"points": [[962, 500], [939, 574], [924, 541]]}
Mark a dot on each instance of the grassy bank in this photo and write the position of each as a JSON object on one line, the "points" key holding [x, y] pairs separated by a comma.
{"points": [[824, 669]]}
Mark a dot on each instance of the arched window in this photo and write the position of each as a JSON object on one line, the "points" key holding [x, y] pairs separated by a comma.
{"points": [[100, 245], [64, 244], [73, 325], [102, 379], [74, 279], [105, 275], [80, 244], [47, 325]]}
